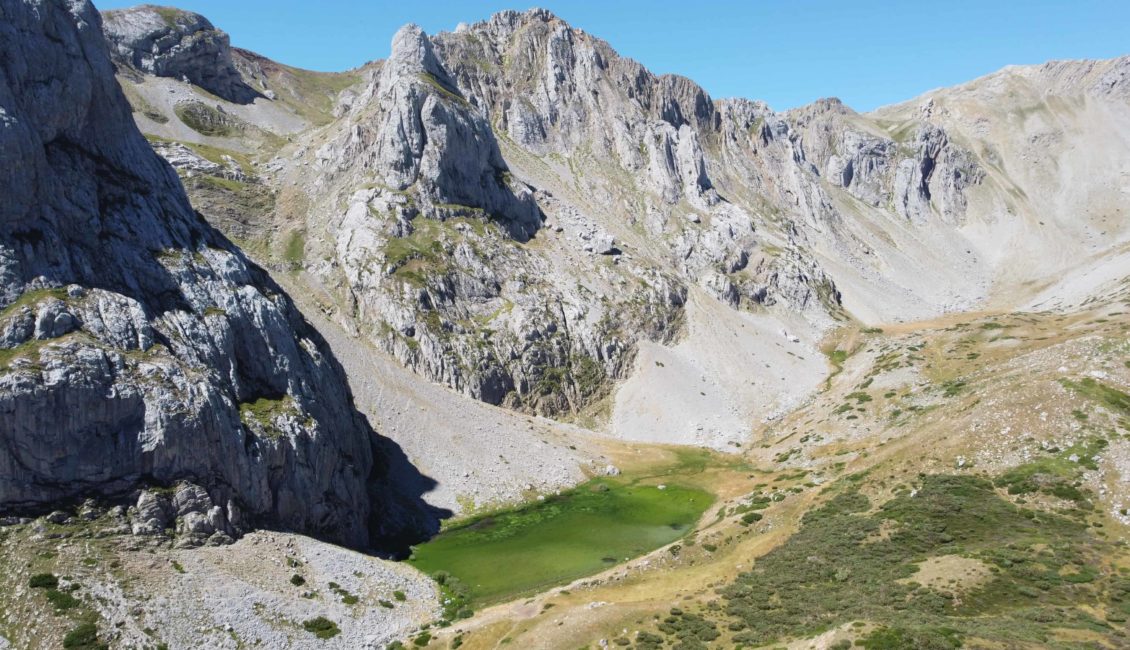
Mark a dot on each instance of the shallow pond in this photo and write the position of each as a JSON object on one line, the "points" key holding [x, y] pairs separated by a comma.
{"points": [[583, 531]]}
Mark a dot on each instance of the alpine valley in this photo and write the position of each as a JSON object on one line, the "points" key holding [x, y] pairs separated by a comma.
{"points": [[508, 342]]}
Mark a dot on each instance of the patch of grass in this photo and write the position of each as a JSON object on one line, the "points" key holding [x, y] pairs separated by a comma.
{"points": [[899, 638], [312, 94], [952, 387], [561, 538], [1108, 396], [220, 183], [424, 244], [295, 250], [207, 120], [430, 79], [169, 15], [261, 414], [321, 627], [32, 298], [26, 350], [1056, 475]]}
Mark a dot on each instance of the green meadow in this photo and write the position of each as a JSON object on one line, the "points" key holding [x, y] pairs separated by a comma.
{"points": [[577, 533]]}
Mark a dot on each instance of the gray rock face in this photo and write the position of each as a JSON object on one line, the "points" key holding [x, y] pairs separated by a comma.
{"points": [[427, 248], [415, 130], [137, 345], [169, 42]]}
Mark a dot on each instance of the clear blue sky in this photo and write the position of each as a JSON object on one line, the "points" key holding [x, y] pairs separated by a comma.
{"points": [[788, 53]]}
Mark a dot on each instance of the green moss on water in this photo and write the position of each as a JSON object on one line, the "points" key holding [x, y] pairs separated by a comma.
{"points": [[580, 532]]}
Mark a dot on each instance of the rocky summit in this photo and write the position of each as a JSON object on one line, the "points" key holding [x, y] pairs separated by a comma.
{"points": [[678, 371]]}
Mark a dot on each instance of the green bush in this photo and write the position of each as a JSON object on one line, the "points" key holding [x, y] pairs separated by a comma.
{"points": [[422, 639], [750, 517], [297, 580], [83, 637], [61, 600], [399, 595], [43, 581], [321, 627]]}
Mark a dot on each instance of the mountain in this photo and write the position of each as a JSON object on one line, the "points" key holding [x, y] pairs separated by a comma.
{"points": [[888, 347], [665, 220], [140, 347]]}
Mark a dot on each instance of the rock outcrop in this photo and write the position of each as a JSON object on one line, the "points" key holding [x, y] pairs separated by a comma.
{"points": [[428, 252], [169, 42], [140, 347]]}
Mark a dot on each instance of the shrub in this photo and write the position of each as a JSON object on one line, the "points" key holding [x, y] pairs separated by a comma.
{"points": [[61, 600], [321, 627], [43, 581], [83, 637], [399, 595], [423, 639], [750, 517], [297, 580]]}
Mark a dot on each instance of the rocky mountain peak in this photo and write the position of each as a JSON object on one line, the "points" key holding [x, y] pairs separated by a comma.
{"points": [[415, 130], [412, 53], [169, 42]]}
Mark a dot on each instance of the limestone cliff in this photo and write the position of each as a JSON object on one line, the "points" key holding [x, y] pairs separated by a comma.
{"points": [[169, 42], [138, 346]]}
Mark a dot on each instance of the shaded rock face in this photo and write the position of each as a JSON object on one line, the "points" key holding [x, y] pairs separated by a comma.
{"points": [[169, 42], [138, 345]]}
